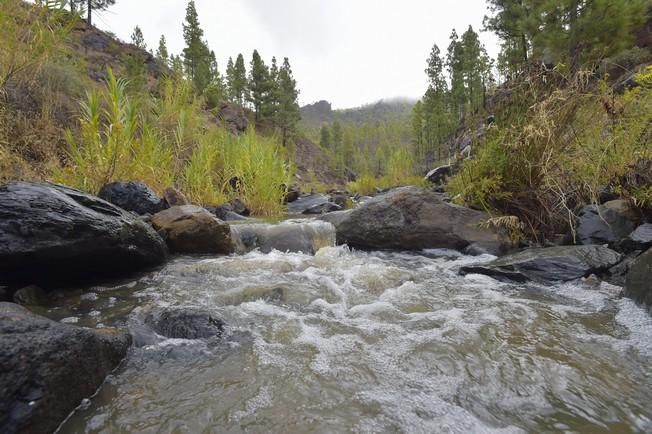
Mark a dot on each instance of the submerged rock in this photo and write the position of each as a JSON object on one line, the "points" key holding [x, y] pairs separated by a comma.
{"points": [[132, 196], [47, 368], [604, 224], [192, 229], [560, 263], [50, 232], [185, 323], [313, 204], [638, 283], [411, 218]]}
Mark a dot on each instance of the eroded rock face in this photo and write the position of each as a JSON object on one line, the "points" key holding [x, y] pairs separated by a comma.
{"points": [[411, 218], [560, 263], [132, 196], [185, 323], [47, 368], [52, 233], [638, 283], [192, 229]]}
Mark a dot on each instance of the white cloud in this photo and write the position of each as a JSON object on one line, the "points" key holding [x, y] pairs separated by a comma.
{"points": [[349, 52]]}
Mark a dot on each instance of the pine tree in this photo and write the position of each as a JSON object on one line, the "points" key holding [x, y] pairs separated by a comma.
{"points": [[196, 55], [288, 114], [93, 5], [325, 137], [272, 101], [230, 80], [258, 83], [162, 51], [240, 84], [138, 39]]}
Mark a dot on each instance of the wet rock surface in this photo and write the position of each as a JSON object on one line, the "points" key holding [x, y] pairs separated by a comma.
{"points": [[132, 196], [411, 218], [47, 368], [313, 204], [192, 229], [638, 283], [603, 224], [561, 263], [50, 233], [185, 323]]}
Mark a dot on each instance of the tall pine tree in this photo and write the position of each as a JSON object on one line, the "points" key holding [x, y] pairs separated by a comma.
{"points": [[288, 114], [196, 55], [258, 84]]}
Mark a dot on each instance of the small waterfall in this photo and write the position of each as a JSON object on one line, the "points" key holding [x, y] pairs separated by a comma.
{"points": [[306, 236]]}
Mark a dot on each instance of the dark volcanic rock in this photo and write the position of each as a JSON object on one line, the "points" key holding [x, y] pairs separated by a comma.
{"points": [[239, 207], [31, 296], [638, 283], [225, 213], [47, 368], [313, 204], [603, 224], [234, 118], [50, 232], [411, 218], [640, 239], [181, 323], [437, 175], [561, 263], [192, 229], [132, 196]]}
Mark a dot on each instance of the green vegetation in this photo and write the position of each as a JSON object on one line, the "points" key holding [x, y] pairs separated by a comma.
{"points": [[133, 127]]}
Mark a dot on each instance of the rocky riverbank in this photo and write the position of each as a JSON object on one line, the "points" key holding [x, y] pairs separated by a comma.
{"points": [[52, 235]]}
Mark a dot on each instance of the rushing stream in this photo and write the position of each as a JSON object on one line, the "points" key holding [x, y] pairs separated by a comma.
{"points": [[347, 341]]}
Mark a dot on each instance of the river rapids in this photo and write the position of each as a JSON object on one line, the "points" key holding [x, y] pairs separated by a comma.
{"points": [[368, 342]]}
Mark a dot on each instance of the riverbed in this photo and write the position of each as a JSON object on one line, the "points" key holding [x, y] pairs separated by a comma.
{"points": [[350, 341]]}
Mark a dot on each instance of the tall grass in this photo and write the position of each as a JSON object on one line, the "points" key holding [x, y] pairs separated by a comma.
{"points": [[399, 171], [560, 152], [173, 144], [115, 143]]}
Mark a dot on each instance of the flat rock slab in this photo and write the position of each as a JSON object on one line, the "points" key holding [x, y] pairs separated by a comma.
{"points": [[560, 263], [51, 232], [47, 368]]}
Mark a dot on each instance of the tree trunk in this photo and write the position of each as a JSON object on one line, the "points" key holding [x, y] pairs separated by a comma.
{"points": [[89, 12]]}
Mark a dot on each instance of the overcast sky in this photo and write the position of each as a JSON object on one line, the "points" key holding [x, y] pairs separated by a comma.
{"points": [[349, 52]]}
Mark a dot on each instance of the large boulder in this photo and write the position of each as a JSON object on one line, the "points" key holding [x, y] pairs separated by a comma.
{"points": [[411, 218], [185, 323], [132, 196], [313, 204], [48, 368], [603, 224], [638, 283], [49, 232], [559, 263], [192, 229]]}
